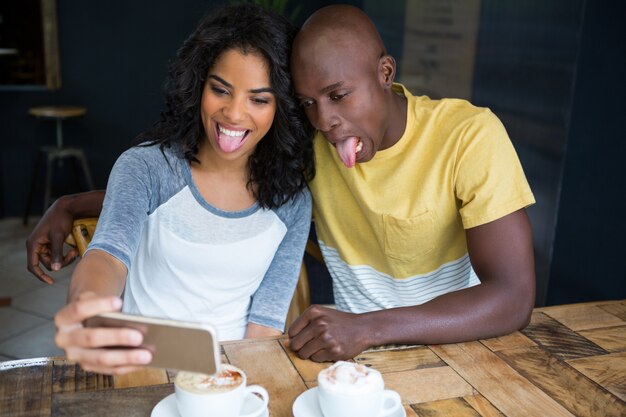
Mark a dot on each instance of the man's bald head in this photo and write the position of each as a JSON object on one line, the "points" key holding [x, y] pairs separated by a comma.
{"points": [[341, 27]]}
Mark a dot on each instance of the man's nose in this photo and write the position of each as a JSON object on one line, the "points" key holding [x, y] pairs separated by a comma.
{"points": [[325, 118]]}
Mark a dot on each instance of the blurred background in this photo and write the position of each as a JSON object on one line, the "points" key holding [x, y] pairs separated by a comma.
{"points": [[552, 70]]}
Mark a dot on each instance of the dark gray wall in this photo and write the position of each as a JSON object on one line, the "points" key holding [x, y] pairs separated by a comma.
{"points": [[526, 62], [114, 57], [589, 247]]}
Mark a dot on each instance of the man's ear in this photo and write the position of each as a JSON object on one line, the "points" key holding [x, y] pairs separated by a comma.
{"points": [[387, 70]]}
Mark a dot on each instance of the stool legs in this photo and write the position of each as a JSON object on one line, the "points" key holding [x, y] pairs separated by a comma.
{"points": [[59, 133], [53, 155], [83, 161]]}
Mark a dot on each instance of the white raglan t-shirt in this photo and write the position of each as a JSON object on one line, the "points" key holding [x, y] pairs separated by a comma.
{"points": [[188, 260]]}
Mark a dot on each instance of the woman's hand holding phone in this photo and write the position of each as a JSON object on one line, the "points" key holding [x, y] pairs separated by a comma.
{"points": [[91, 346]]}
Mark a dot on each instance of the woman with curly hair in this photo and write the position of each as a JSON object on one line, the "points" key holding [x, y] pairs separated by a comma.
{"points": [[205, 219]]}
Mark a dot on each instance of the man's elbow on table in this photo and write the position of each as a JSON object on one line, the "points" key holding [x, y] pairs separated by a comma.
{"points": [[518, 306]]}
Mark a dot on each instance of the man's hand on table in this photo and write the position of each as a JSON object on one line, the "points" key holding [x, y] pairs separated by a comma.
{"points": [[87, 346], [325, 334], [45, 243]]}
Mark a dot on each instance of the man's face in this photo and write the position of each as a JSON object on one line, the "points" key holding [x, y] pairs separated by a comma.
{"points": [[343, 97]]}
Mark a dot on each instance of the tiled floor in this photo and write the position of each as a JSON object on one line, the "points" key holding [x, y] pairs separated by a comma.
{"points": [[26, 326]]}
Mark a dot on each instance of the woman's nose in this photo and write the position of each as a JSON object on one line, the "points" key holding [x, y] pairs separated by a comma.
{"points": [[235, 110]]}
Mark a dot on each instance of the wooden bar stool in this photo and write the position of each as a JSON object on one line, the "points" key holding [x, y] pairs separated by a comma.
{"points": [[52, 154]]}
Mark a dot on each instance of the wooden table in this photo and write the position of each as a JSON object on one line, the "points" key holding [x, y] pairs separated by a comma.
{"points": [[571, 360]]}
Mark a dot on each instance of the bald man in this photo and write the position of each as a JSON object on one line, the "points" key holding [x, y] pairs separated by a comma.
{"points": [[418, 204]]}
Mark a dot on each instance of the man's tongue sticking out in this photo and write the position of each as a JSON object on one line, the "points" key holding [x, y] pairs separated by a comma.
{"points": [[347, 151]]}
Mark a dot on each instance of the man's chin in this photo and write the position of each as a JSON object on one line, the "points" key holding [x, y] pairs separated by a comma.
{"points": [[364, 157]]}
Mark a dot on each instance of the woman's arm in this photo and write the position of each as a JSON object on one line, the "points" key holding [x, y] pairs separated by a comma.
{"points": [[45, 243], [255, 331], [97, 283]]}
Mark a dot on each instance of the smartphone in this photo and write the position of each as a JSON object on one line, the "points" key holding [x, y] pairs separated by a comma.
{"points": [[174, 344]]}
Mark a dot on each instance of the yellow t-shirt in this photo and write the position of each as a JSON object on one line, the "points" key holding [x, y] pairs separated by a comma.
{"points": [[392, 229]]}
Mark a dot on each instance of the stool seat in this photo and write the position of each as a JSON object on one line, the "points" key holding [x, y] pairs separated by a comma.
{"points": [[54, 155], [57, 112]]}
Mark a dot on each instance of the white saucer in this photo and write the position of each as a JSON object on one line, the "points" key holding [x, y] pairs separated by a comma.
{"points": [[167, 406], [306, 405]]}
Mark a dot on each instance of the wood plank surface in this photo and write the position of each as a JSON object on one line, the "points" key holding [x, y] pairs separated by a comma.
{"points": [[609, 371], [457, 407], [582, 317], [69, 377], [410, 412], [428, 384], [612, 339], [400, 360], [509, 341], [142, 377], [26, 391], [559, 340], [501, 385], [126, 402], [266, 364], [308, 370], [559, 380], [484, 407], [618, 309]]}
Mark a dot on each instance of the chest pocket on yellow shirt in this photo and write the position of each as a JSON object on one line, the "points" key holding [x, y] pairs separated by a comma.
{"points": [[405, 239]]}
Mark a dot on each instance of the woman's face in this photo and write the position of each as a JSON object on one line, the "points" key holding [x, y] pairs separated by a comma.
{"points": [[238, 104]]}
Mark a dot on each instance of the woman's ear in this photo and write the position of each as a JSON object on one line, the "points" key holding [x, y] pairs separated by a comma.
{"points": [[387, 70]]}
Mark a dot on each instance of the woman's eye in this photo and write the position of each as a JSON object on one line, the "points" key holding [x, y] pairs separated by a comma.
{"points": [[219, 91], [258, 100]]}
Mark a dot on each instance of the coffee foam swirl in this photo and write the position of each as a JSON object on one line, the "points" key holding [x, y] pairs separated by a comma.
{"points": [[350, 378], [228, 378]]}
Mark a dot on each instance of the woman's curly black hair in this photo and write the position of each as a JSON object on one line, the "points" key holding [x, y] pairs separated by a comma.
{"points": [[282, 162]]}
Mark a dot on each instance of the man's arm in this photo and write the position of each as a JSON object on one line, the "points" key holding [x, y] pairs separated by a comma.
{"points": [[502, 256], [45, 243]]}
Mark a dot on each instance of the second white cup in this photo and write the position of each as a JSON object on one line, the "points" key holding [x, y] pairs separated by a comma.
{"points": [[350, 389]]}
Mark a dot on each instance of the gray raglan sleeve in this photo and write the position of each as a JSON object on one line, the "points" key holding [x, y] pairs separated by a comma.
{"points": [[271, 300], [125, 207]]}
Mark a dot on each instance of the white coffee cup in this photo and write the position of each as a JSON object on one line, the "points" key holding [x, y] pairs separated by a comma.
{"points": [[222, 394], [349, 389]]}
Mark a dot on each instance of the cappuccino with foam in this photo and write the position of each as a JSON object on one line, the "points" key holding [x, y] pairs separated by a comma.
{"points": [[350, 389], [227, 378], [222, 394], [350, 379]]}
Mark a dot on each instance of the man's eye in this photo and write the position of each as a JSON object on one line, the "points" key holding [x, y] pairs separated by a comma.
{"points": [[337, 97], [306, 103]]}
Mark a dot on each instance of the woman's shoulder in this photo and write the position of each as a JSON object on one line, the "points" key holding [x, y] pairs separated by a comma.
{"points": [[299, 205], [152, 154]]}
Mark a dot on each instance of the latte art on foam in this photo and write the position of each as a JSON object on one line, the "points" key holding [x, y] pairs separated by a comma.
{"points": [[226, 379], [350, 378]]}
